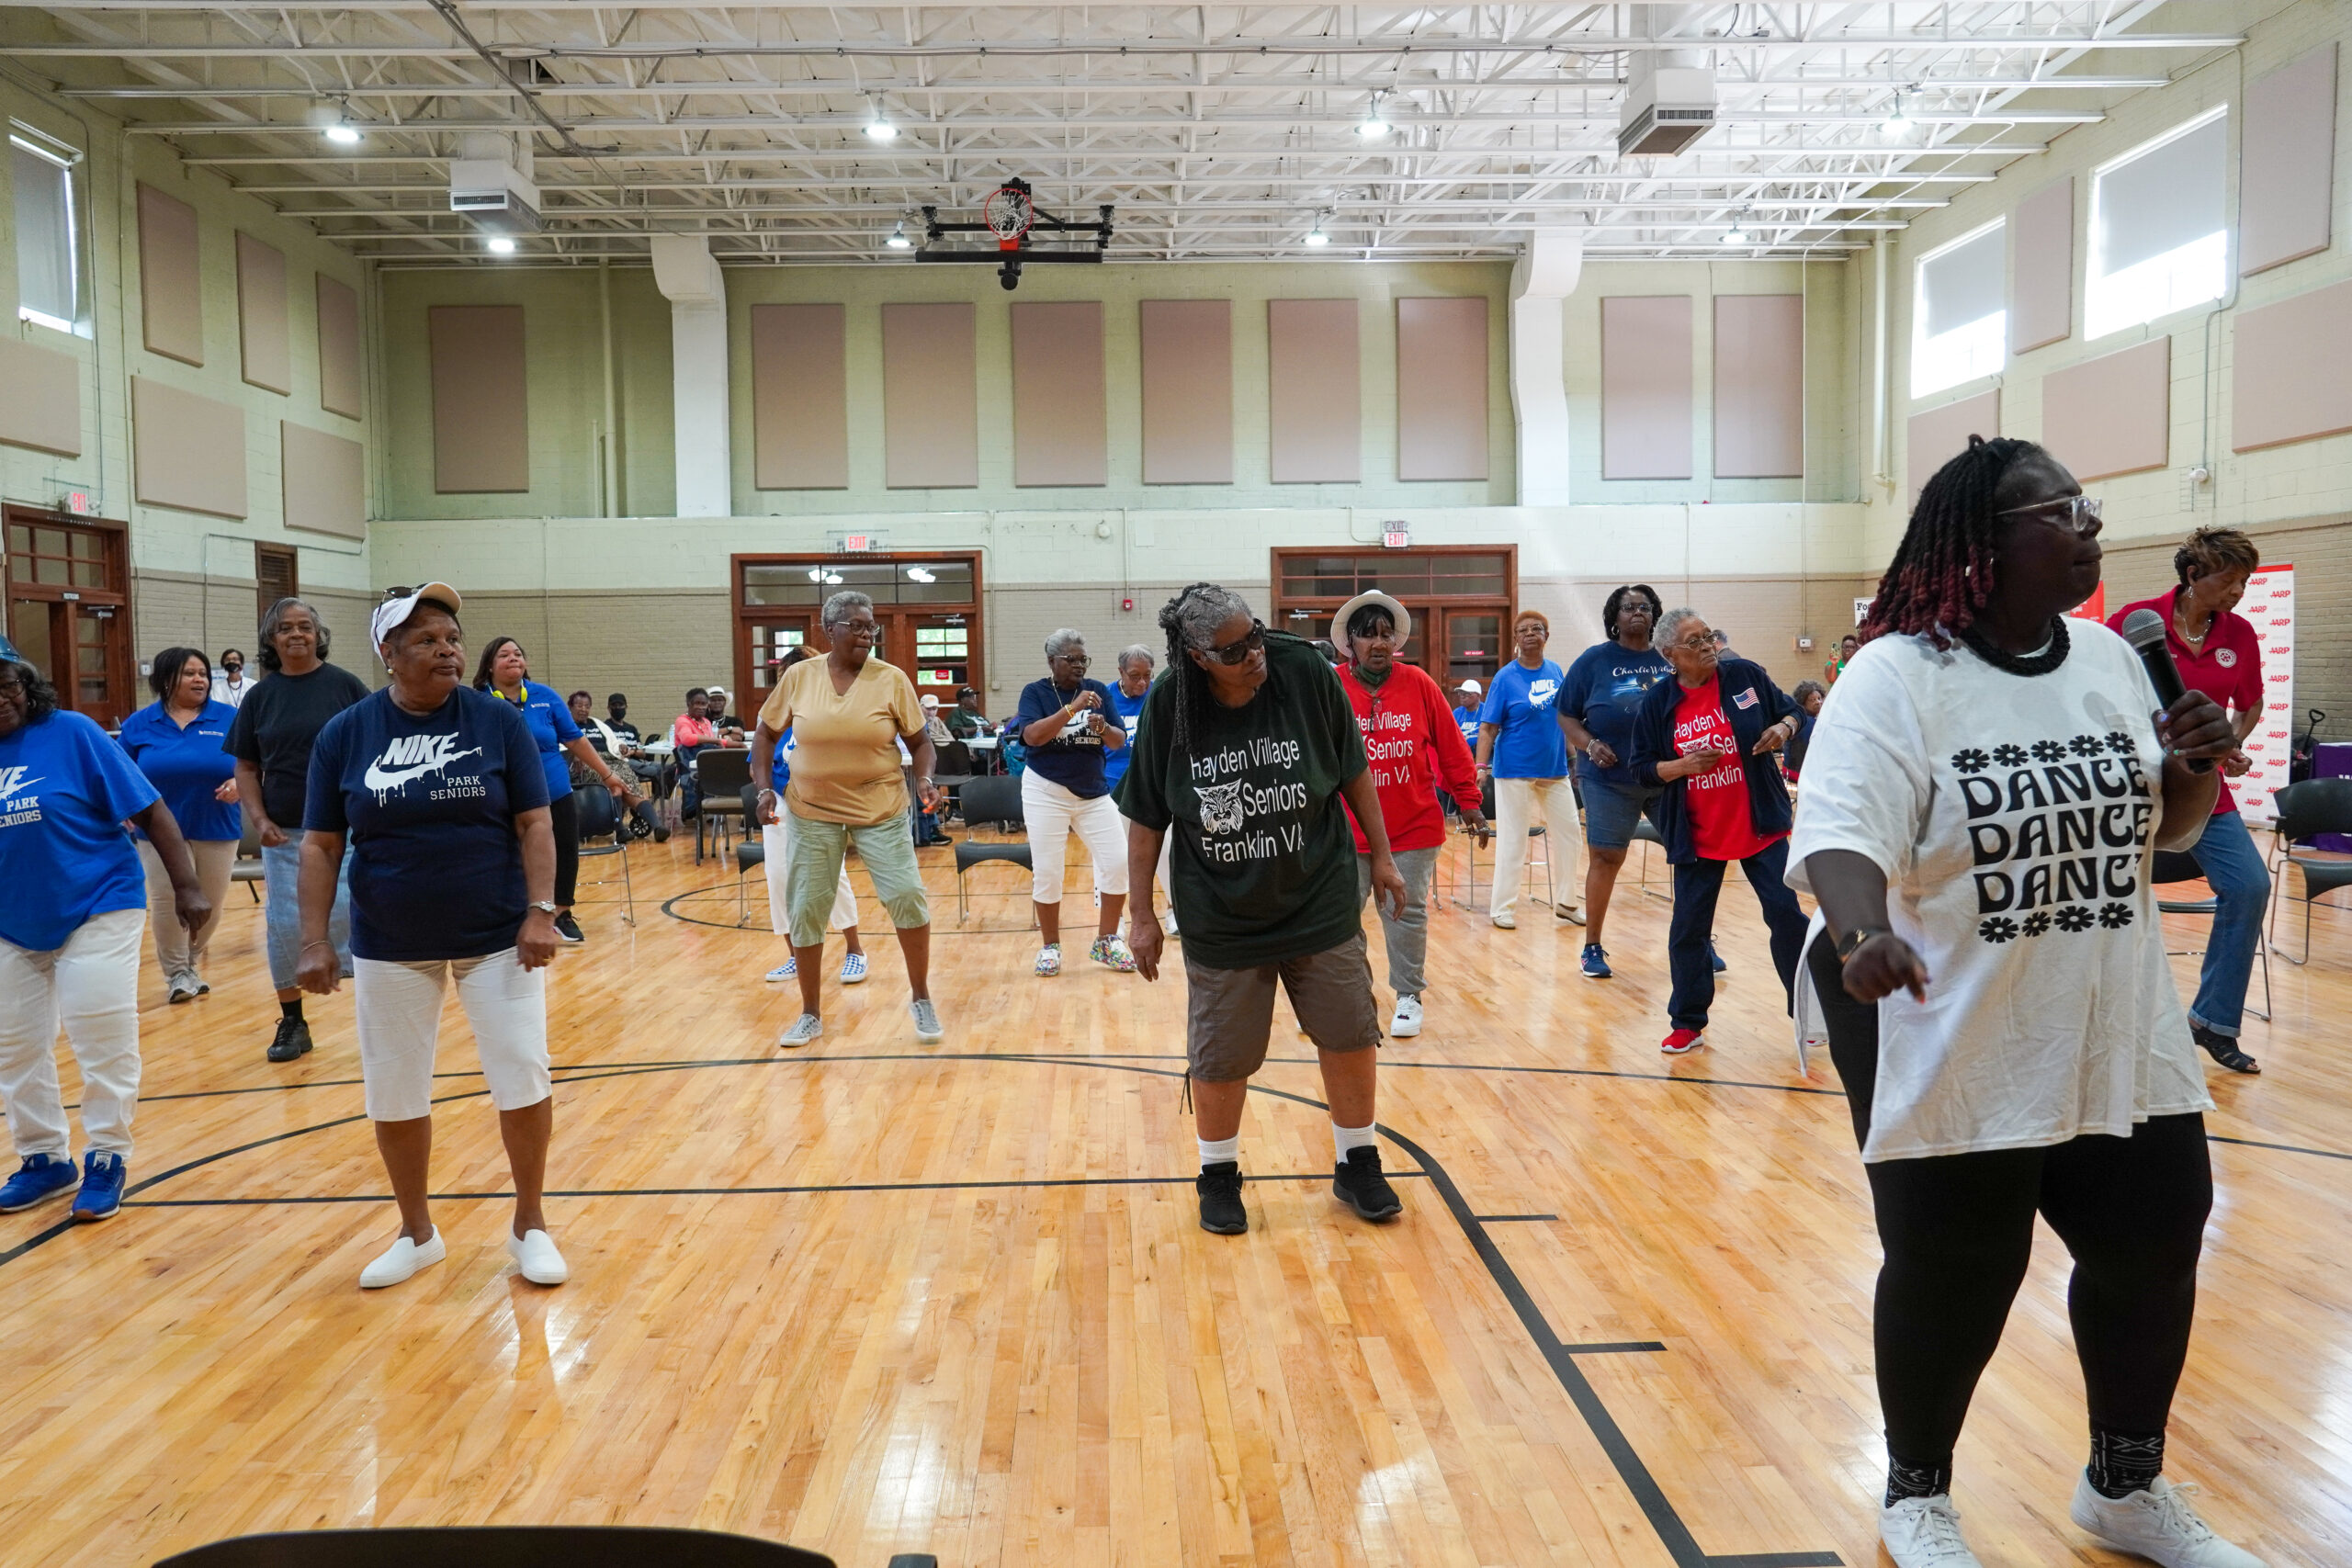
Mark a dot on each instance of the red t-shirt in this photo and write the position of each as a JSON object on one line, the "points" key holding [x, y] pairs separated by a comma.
{"points": [[1722, 826], [2228, 669], [1414, 748]]}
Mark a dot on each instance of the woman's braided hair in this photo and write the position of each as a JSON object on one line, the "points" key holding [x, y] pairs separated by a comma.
{"points": [[1942, 574], [1190, 620]]}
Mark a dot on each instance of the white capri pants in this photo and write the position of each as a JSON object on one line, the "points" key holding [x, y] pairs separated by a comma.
{"points": [[92, 984], [777, 838], [1054, 813], [399, 1009], [1520, 804]]}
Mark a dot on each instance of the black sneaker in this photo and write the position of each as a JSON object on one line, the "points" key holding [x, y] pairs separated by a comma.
{"points": [[1359, 1184], [569, 928], [1219, 1186], [293, 1040]]}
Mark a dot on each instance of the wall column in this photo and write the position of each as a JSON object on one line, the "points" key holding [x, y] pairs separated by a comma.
{"points": [[1541, 281], [690, 279]]}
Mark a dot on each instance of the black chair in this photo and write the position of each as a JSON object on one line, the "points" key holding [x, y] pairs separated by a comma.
{"points": [[2171, 866], [600, 818], [992, 800], [499, 1546], [720, 774], [2305, 811], [956, 769]]}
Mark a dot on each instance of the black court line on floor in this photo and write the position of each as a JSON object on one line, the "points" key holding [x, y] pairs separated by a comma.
{"points": [[1663, 1518]]}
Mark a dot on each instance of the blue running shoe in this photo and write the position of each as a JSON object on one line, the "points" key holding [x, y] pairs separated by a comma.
{"points": [[1596, 963], [1716, 959], [102, 1179], [39, 1179]]}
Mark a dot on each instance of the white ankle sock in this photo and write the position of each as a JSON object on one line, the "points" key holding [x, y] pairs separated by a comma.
{"points": [[1346, 1138], [1221, 1149]]}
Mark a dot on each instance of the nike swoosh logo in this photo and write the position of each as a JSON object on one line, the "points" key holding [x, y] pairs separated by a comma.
{"points": [[21, 787], [382, 780]]}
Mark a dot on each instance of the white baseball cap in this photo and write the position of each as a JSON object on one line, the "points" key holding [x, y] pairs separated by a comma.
{"points": [[1472, 687], [931, 699], [399, 604]]}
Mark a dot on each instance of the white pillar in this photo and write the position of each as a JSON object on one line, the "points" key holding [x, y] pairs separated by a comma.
{"points": [[1541, 281], [689, 278]]}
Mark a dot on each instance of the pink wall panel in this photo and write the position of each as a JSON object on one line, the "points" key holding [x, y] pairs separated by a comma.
{"points": [[1645, 403], [40, 399], [186, 451], [1937, 437], [1060, 434], [2113, 415], [323, 481], [1441, 388], [2291, 370], [339, 376], [2287, 163], [799, 397], [1315, 388], [931, 411], [1759, 386], [481, 433], [261, 315], [2042, 268], [171, 291], [1187, 392]]}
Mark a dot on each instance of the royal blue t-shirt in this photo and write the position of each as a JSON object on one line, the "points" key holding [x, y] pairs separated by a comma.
{"points": [[1601, 691], [549, 717], [1074, 758], [187, 765], [1523, 702], [1130, 712], [1469, 720], [64, 791], [429, 804]]}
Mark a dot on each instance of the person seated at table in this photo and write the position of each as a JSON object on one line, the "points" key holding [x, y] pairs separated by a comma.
{"points": [[934, 725], [689, 733], [603, 740], [730, 727], [966, 719]]}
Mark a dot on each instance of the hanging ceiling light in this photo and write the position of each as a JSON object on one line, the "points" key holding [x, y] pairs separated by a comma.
{"points": [[878, 127], [500, 245], [898, 240], [1372, 128], [1897, 120], [1316, 236], [1737, 233], [342, 133]]}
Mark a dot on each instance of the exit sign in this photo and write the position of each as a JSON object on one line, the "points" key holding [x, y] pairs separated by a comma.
{"points": [[857, 543], [1396, 539]]}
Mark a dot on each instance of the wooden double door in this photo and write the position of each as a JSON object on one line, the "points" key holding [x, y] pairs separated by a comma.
{"points": [[926, 609], [69, 610]]}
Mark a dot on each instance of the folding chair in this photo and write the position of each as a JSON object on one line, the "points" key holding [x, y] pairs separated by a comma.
{"points": [[993, 800], [2306, 810], [720, 773], [1469, 884], [2181, 865], [600, 818]]}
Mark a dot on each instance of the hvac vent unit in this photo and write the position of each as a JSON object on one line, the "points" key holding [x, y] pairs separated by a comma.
{"points": [[492, 186], [1667, 109]]}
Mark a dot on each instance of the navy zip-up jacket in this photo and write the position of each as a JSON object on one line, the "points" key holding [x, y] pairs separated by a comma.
{"points": [[1767, 796]]}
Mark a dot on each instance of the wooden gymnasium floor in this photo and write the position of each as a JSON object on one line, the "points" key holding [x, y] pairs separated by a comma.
{"points": [[875, 1296]]}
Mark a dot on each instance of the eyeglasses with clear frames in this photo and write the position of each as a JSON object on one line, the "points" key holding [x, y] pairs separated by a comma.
{"points": [[2080, 513]]}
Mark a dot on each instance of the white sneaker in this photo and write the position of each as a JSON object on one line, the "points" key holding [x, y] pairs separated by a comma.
{"points": [[182, 988], [403, 1259], [1923, 1532], [852, 969], [788, 969], [1569, 913], [1408, 1022], [1050, 961], [1168, 924], [540, 1263], [805, 1028], [1507, 921], [2158, 1524], [927, 1028]]}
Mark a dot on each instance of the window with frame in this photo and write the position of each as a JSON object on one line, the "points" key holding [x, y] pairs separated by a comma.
{"points": [[2160, 237], [48, 270], [1960, 314]]}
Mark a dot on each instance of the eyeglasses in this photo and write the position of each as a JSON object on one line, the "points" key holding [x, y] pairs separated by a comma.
{"points": [[11, 685], [1079, 660], [2080, 513], [1241, 647]]}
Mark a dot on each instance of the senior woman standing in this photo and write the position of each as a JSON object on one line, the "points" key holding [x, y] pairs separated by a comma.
{"points": [[1522, 747], [1069, 727], [1599, 698], [1706, 739], [177, 743], [271, 741], [848, 713], [69, 937], [505, 672], [444, 798], [775, 838], [1980, 797]]}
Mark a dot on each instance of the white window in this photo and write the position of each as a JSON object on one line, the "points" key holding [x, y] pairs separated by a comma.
{"points": [[48, 278], [1960, 315], [2159, 227]]}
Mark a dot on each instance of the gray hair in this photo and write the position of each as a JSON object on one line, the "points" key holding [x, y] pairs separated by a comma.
{"points": [[1134, 651], [1669, 625], [1060, 642], [1191, 618], [272, 622], [840, 607]]}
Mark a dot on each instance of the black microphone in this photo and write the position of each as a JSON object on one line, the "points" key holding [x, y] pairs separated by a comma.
{"points": [[2145, 630]]}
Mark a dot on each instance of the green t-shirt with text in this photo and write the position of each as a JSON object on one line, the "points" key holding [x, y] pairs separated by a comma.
{"points": [[1264, 867]]}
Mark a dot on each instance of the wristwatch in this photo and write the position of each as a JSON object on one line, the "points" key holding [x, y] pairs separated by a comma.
{"points": [[1849, 945], [544, 908]]}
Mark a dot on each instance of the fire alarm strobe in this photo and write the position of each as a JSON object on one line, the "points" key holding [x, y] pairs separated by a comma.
{"points": [[1010, 218]]}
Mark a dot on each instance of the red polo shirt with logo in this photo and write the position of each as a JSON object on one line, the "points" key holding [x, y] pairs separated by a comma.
{"points": [[2228, 669]]}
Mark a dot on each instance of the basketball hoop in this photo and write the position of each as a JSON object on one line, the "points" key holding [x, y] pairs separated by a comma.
{"points": [[1008, 214]]}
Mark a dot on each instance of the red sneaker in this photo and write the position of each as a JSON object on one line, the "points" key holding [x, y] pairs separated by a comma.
{"points": [[1683, 1042]]}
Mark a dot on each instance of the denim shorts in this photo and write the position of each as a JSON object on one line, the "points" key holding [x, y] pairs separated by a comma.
{"points": [[1610, 810]]}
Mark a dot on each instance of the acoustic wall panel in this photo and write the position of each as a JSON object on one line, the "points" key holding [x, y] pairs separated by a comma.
{"points": [[261, 315], [171, 291], [931, 404], [1441, 388], [1187, 392], [325, 479], [2287, 163], [2113, 415], [338, 347], [40, 399], [2291, 370], [481, 428], [1059, 436], [1759, 386], [800, 396], [2042, 268], [1937, 437], [1645, 386], [186, 451], [1313, 372]]}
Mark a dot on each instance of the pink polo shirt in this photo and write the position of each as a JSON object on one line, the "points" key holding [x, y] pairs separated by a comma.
{"points": [[2229, 669]]}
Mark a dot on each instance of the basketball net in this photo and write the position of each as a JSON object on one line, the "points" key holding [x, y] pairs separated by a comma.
{"points": [[1008, 213]]}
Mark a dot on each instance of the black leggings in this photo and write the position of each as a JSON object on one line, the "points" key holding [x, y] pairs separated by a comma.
{"points": [[1958, 1232], [563, 813]]}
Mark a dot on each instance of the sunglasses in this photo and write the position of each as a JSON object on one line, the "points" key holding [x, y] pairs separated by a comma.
{"points": [[1241, 647], [2080, 513]]}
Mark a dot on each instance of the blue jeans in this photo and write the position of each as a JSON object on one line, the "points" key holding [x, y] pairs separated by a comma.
{"points": [[2240, 887], [281, 871], [1689, 943]]}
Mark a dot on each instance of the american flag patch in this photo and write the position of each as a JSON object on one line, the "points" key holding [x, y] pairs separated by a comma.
{"points": [[1743, 699]]}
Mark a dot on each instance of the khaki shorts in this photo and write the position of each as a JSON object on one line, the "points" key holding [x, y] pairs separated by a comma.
{"points": [[1229, 1013]]}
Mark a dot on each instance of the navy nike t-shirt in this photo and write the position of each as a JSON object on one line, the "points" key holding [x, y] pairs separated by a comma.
{"points": [[429, 804]]}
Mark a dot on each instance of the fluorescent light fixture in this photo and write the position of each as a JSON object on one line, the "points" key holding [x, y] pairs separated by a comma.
{"points": [[342, 133], [898, 240], [1316, 236], [500, 245]]}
